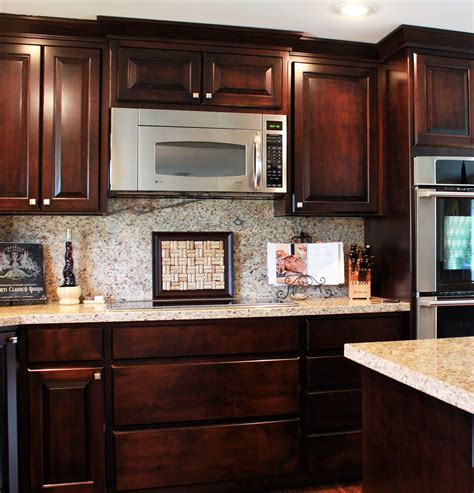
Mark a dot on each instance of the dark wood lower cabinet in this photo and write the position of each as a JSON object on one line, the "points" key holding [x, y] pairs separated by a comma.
{"points": [[195, 406], [331, 407], [181, 456], [67, 430]]}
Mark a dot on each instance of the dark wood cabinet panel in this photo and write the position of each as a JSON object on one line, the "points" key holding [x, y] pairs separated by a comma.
{"points": [[19, 126], [243, 80], [335, 139], [193, 391], [71, 122], [181, 456], [238, 336], [66, 430], [325, 371], [444, 93], [158, 76], [64, 344], [331, 333], [332, 410], [338, 452]]}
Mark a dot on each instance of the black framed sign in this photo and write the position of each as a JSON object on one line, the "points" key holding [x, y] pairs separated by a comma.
{"points": [[21, 272]]}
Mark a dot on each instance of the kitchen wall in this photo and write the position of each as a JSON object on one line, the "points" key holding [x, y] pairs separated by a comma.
{"points": [[112, 253]]}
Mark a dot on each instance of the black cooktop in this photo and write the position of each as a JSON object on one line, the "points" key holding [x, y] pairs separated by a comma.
{"points": [[196, 303]]}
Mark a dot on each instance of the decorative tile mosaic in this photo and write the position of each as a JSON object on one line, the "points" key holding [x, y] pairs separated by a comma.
{"points": [[191, 265]]}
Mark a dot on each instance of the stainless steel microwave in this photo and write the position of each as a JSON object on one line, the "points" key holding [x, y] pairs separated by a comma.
{"points": [[197, 151]]}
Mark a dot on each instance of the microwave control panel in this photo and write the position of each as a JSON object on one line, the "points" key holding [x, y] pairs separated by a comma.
{"points": [[274, 161], [275, 152]]}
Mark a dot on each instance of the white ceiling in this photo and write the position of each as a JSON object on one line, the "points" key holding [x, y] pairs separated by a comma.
{"points": [[314, 17]]}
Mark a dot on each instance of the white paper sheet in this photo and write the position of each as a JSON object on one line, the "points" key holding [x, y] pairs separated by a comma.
{"points": [[326, 260]]}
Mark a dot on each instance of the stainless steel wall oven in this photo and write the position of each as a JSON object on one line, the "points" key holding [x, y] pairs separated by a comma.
{"points": [[444, 228]]}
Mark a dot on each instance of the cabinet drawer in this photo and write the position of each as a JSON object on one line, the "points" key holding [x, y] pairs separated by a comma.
{"points": [[65, 344], [340, 451], [180, 456], [328, 411], [324, 371], [207, 338], [205, 390], [333, 333]]}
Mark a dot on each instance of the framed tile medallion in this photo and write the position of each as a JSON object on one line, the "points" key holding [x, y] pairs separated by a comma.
{"points": [[192, 265]]}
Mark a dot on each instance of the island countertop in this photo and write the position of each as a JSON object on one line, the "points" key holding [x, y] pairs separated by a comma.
{"points": [[54, 313], [441, 368]]}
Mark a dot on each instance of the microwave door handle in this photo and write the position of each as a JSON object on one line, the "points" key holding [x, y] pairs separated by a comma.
{"points": [[257, 162], [430, 304], [435, 193]]}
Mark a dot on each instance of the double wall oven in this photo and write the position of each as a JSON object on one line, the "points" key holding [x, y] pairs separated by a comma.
{"points": [[444, 191]]}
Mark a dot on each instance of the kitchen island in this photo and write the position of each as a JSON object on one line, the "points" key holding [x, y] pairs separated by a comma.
{"points": [[418, 407]]}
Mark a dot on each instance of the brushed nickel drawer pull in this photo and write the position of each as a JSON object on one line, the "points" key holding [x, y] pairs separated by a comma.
{"points": [[97, 376]]}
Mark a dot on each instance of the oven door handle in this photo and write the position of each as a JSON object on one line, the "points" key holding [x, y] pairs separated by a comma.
{"points": [[430, 304], [435, 193], [257, 161]]}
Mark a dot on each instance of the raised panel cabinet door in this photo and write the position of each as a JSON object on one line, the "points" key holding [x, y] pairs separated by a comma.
{"points": [[71, 123], [158, 76], [19, 127], [243, 80], [66, 430], [444, 92], [335, 140]]}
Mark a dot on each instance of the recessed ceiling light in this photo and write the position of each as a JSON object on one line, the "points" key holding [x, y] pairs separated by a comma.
{"points": [[354, 8]]}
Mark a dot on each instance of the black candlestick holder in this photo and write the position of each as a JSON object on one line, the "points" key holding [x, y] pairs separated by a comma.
{"points": [[68, 271]]}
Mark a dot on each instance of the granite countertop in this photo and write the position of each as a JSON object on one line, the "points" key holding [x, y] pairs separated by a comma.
{"points": [[441, 368], [55, 313]]}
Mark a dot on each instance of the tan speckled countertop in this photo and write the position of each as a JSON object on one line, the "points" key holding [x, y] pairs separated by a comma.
{"points": [[441, 368], [54, 313]]}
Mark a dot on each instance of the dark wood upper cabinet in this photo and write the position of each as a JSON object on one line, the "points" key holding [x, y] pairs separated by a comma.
{"points": [[71, 121], [158, 76], [243, 80], [335, 139], [444, 107], [67, 430], [55, 91], [19, 126]]}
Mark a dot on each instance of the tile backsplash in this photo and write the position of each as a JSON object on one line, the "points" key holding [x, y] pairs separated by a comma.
{"points": [[112, 253]]}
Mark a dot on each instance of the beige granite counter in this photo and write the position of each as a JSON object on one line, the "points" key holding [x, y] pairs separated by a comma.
{"points": [[441, 368], [54, 313]]}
